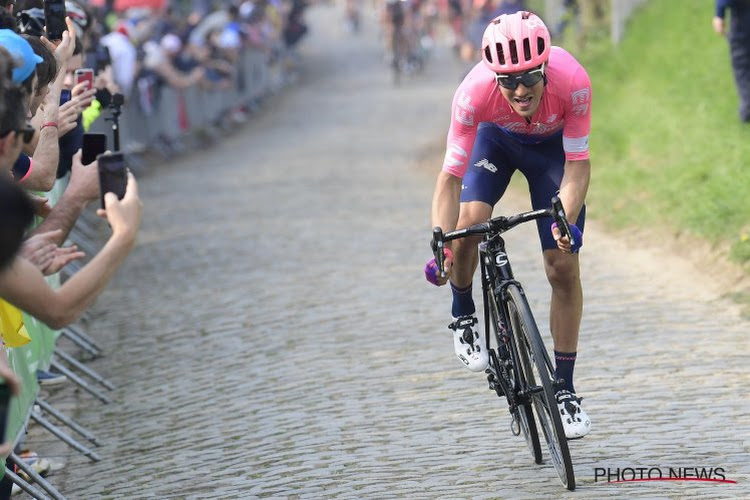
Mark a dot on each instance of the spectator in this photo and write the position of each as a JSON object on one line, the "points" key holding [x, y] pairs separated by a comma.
{"points": [[159, 60], [21, 282], [43, 146], [23, 285], [14, 129], [74, 99], [123, 56], [739, 46]]}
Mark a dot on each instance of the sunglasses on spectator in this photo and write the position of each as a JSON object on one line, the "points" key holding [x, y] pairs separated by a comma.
{"points": [[527, 79], [27, 132]]}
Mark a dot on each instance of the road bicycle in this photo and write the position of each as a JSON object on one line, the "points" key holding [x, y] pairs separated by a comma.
{"points": [[519, 368]]}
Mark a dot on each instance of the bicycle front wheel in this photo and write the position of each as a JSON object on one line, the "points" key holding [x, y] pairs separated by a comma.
{"points": [[523, 413], [539, 374]]}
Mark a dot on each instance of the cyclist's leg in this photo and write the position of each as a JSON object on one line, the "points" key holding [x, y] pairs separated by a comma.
{"points": [[544, 168], [485, 181]]}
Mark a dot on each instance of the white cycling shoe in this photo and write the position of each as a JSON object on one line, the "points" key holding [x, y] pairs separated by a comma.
{"points": [[576, 422], [467, 343]]}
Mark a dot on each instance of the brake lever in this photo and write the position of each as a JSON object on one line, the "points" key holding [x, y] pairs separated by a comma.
{"points": [[558, 213], [437, 249]]}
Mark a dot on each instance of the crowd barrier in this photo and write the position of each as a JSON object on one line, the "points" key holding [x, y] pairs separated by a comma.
{"points": [[200, 109], [168, 119]]}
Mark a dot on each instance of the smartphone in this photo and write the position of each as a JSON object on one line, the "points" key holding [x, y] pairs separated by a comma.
{"points": [[113, 176], [93, 146], [54, 18], [4, 406], [85, 75]]}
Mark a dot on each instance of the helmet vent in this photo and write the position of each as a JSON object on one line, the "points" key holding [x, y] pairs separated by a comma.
{"points": [[540, 45], [500, 53], [513, 52], [488, 54], [526, 49]]}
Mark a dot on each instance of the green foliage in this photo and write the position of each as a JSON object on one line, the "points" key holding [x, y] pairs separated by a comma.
{"points": [[667, 148]]}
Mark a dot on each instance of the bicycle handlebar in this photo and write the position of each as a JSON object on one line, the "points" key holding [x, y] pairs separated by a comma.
{"points": [[499, 225]]}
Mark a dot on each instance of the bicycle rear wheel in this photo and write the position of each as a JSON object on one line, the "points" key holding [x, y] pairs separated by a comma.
{"points": [[538, 369], [523, 414]]}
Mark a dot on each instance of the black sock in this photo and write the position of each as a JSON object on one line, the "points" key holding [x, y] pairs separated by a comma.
{"points": [[565, 362], [463, 302]]}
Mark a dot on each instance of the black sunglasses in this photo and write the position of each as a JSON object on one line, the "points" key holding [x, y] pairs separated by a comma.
{"points": [[527, 79], [27, 132]]}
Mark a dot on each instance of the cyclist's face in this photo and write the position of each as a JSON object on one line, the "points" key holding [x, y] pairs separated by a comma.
{"points": [[524, 100]]}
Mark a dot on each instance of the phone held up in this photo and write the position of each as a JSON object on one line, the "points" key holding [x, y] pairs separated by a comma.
{"points": [[85, 75], [113, 174], [54, 18], [93, 146]]}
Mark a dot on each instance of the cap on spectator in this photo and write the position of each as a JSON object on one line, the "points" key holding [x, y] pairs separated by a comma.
{"points": [[229, 39], [31, 21], [246, 9], [78, 15], [171, 43], [122, 27], [21, 51]]}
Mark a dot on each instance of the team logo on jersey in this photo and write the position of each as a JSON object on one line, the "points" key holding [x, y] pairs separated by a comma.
{"points": [[464, 110], [485, 163], [453, 156], [552, 118], [515, 127], [581, 100]]}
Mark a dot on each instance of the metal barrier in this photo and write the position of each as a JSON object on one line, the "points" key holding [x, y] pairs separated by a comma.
{"points": [[178, 113]]}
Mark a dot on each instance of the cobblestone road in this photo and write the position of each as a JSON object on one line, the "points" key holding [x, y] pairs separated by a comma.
{"points": [[273, 336]]}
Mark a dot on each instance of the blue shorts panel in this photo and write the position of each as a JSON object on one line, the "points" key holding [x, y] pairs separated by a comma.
{"points": [[494, 159]]}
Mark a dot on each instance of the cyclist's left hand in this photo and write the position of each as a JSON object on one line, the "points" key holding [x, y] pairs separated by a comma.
{"points": [[564, 243], [431, 269]]}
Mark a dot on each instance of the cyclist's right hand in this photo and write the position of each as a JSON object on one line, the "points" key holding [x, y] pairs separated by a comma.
{"points": [[431, 272]]}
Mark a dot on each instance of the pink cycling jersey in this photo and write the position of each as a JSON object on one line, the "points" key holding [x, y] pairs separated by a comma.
{"points": [[565, 105]]}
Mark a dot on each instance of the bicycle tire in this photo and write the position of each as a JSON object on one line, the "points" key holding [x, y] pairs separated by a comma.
{"points": [[536, 366], [525, 414]]}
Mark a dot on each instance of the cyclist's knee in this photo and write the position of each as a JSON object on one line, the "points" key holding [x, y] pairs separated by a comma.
{"points": [[473, 212], [562, 270]]}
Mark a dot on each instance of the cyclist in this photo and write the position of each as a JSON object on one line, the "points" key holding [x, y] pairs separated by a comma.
{"points": [[525, 106]]}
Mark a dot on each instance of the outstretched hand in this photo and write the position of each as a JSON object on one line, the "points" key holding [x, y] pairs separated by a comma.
{"points": [[124, 215], [42, 251]]}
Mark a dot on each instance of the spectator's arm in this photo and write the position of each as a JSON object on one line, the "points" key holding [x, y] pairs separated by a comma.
{"points": [[23, 285], [178, 79], [82, 188], [47, 154]]}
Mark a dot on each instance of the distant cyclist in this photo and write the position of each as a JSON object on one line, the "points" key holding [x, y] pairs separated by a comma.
{"points": [[526, 106], [395, 27]]}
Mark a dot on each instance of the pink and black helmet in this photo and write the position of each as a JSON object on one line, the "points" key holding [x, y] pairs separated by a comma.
{"points": [[515, 42]]}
